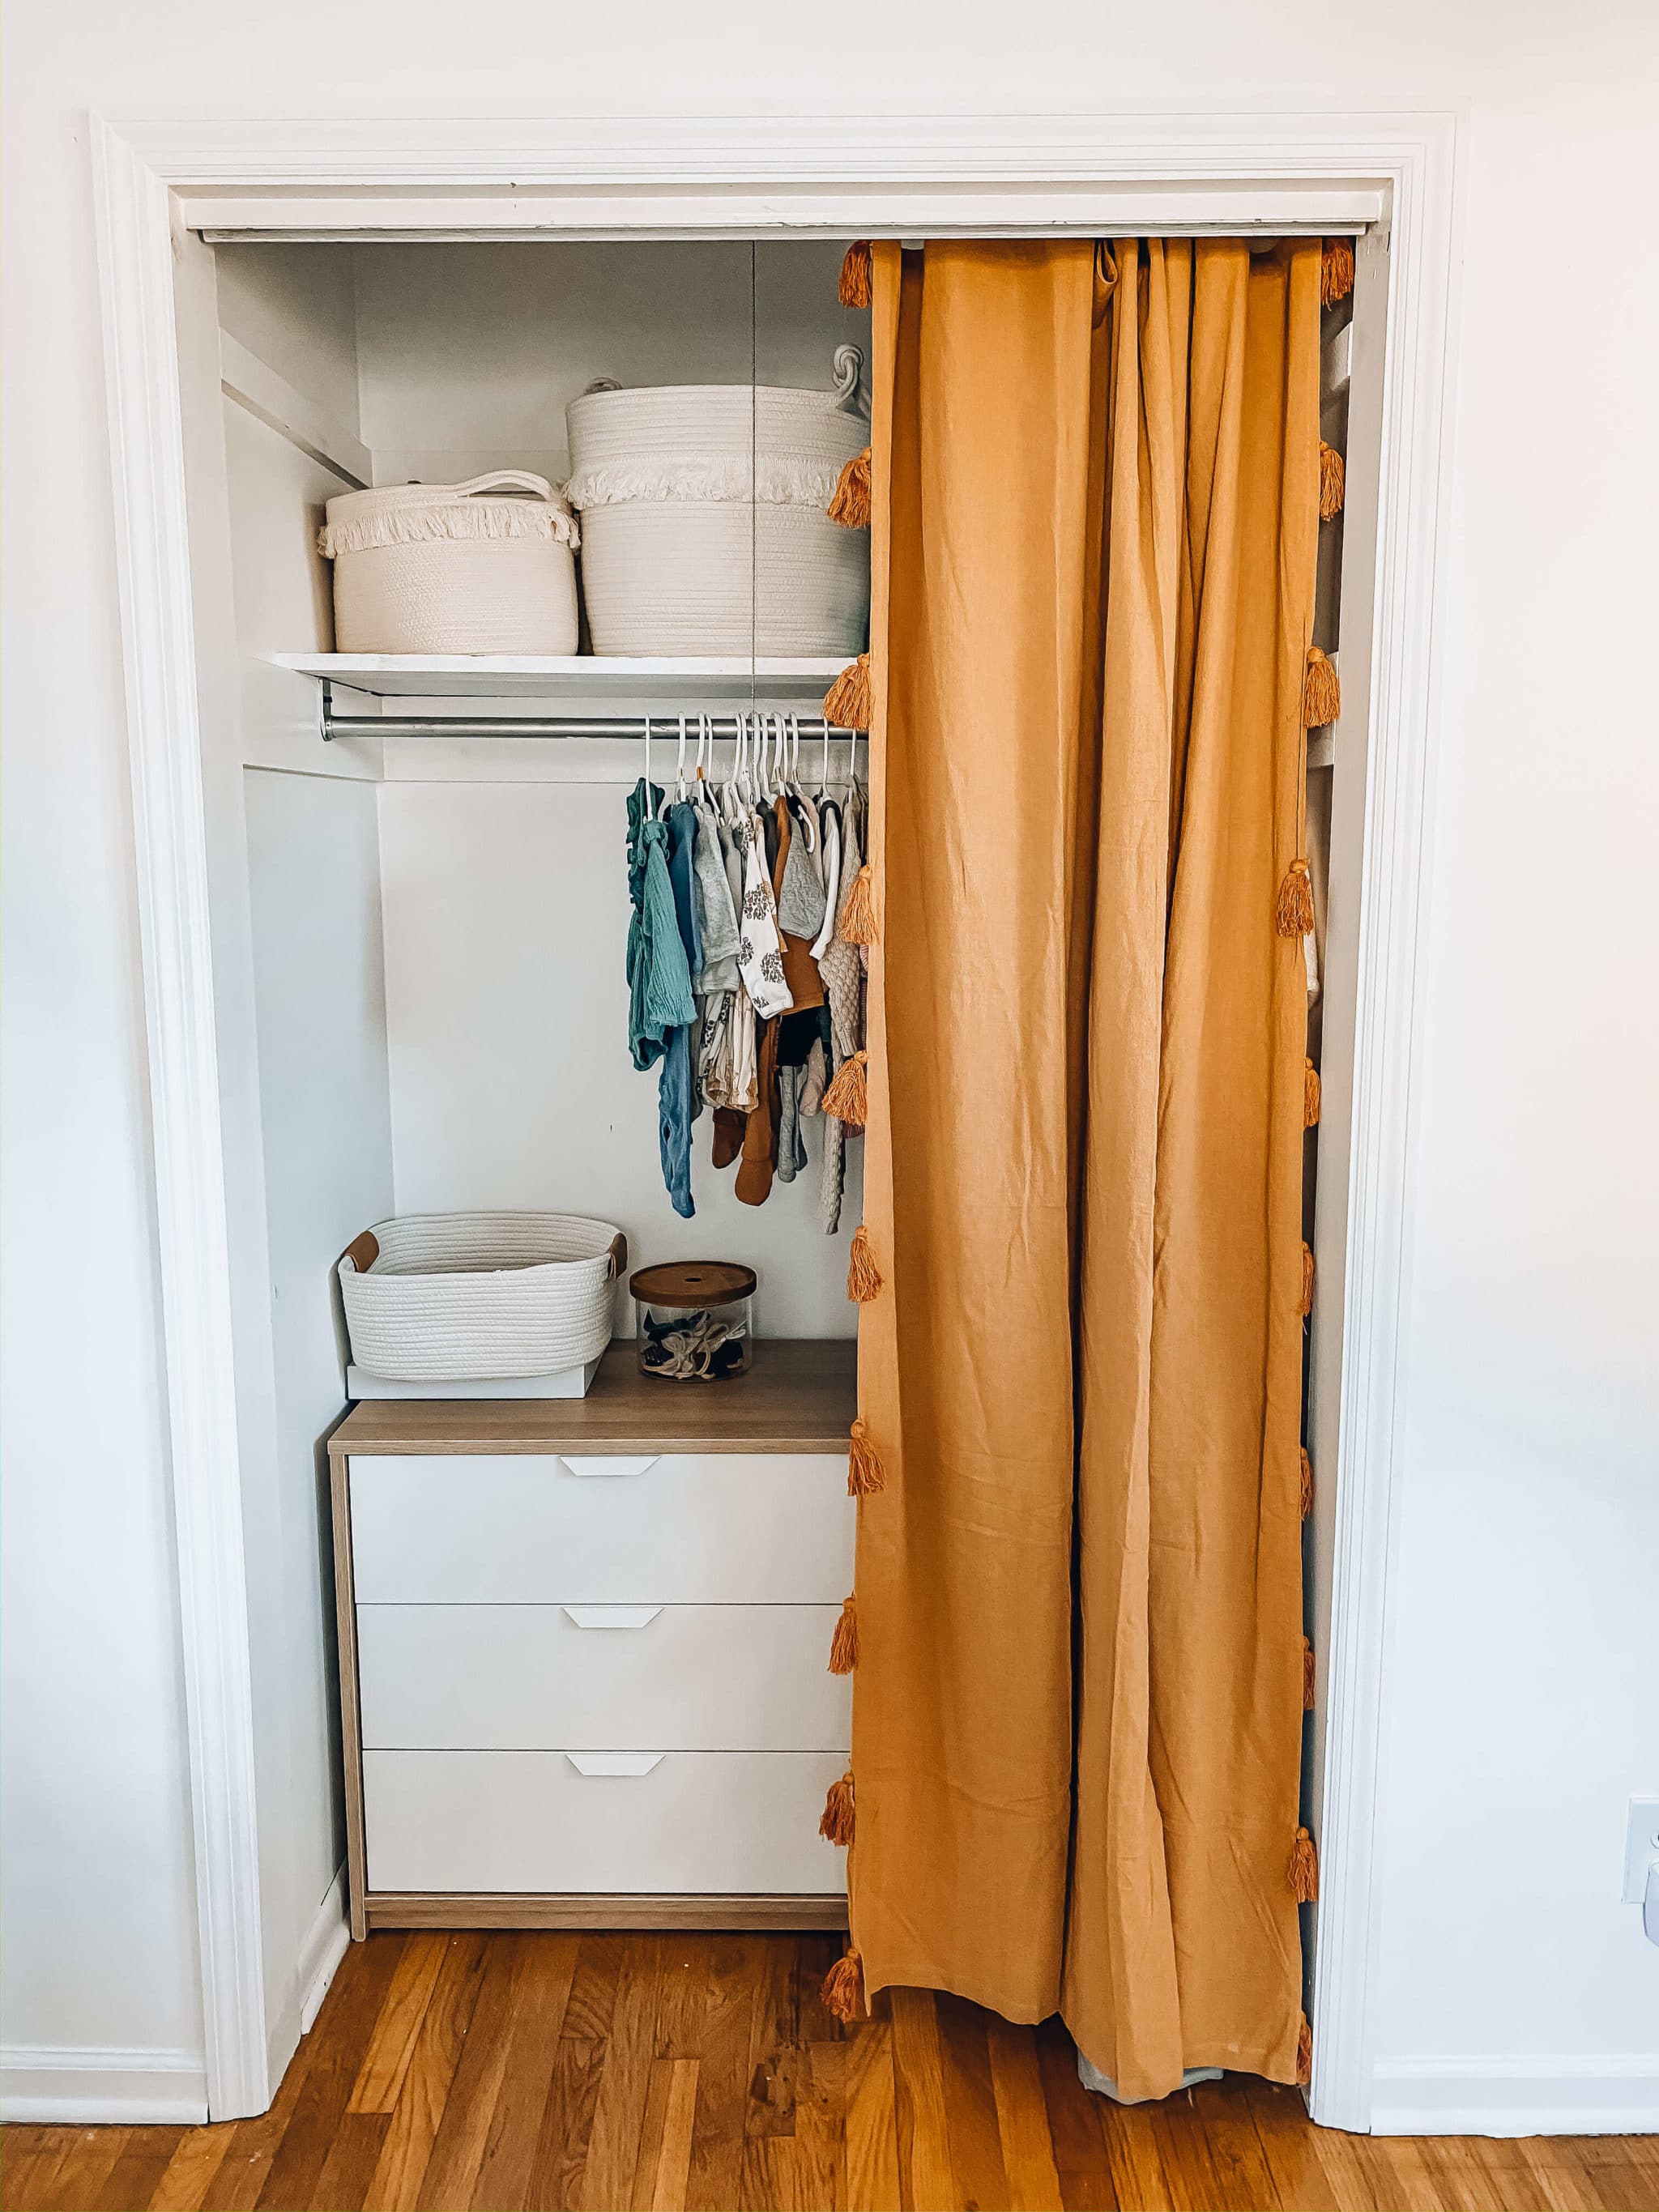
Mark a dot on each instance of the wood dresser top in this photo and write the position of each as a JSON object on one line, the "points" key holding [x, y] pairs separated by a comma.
{"points": [[801, 1396]]}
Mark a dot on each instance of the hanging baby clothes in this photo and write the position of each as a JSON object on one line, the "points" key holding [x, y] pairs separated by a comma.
{"points": [[659, 975], [843, 983], [717, 983], [760, 955], [678, 1101], [830, 822]]}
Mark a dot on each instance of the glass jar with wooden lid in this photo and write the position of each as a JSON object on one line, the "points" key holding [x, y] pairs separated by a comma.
{"points": [[694, 1319]]}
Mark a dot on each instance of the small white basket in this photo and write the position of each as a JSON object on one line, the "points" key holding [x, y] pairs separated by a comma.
{"points": [[703, 522], [436, 568], [456, 1298]]}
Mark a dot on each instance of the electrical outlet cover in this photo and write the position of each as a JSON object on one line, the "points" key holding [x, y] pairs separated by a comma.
{"points": [[1641, 1846]]}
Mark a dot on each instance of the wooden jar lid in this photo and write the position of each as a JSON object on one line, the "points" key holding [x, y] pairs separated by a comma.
{"points": [[692, 1283]]}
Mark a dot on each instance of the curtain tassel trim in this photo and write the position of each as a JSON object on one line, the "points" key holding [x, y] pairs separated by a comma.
{"points": [[864, 1281], [849, 1097], [1309, 1094], [1321, 692], [857, 925], [844, 1643], [1307, 1674], [1294, 917], [846, 703], [1333, 484], [1307, 1484], [836, 1825], [865, 1473], [1306, 1307], [843, 1988], [1304, 2053], [850, 505], [1302, 1873], [853, 289], [1335, 272]]}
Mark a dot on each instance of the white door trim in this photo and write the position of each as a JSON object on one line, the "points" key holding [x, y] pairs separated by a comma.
{"points": [[664, 177]]}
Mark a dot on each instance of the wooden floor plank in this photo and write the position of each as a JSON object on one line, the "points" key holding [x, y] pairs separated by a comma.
{"points": [[418, 2114], [1073, 2116], [970, 2103], [391, 2045], [353, 2005], [872, 2123], [535, 2028], [624, 2084], [717, 2135], [701, 2073], [458, 2148], [926, 2176], [1028, 2149]]}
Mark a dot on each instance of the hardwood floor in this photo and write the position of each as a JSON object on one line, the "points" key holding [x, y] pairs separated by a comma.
{"points": [[700, 2073]]}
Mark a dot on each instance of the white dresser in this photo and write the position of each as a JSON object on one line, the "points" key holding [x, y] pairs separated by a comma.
{"points": [[584, 1651]]}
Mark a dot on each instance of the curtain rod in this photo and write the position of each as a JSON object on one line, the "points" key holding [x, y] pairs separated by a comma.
{"points": [[620, 726]]}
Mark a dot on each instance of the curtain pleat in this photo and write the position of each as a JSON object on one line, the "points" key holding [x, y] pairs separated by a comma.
{"points": [[1094, 528]]}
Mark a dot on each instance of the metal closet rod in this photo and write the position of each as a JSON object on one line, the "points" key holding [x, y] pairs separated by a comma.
{"points": [[556, 725]]}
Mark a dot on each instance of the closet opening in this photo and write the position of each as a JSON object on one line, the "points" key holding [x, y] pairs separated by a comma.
{"points": [[420, 905]]}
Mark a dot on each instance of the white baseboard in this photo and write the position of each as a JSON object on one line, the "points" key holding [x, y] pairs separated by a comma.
{"points": [[72, 2085], [1550, 2096], [324, 1948]]}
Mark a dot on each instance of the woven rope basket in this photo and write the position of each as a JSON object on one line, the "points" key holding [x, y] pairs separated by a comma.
{"points": [[703, 522], [436, 568], [460, 1298]]}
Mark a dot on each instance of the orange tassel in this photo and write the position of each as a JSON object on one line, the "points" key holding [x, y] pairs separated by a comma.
{"points": [[1335, 271], [1321, 693], [836, 1825], [1306, 1306], [844, 1643], [1295, 914], [863, 1276], [849, 1097], [846, 703], [1309, 1094], [865, 1471], [1303, 1872], [1304, 2053], [855, 288], [1332, 483], [1307, 1675], [843, 1988], [858, 917], [1307, 1484], [850, 504]]}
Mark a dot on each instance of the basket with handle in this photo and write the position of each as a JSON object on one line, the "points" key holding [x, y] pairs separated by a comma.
{"points": [[453, 1297], [445, 568], [703, 518]]}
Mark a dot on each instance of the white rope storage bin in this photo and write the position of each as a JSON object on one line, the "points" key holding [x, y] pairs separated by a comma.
{"points": [[704, 528], [452, 1298], [436, 569]]}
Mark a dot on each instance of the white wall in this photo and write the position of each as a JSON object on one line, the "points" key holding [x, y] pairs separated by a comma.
{"points": [[468, 354], [1528, 1374]]}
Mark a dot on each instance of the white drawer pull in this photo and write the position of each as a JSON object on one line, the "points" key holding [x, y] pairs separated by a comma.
{"points": [[614, 1762], [611, 1616], [605, 1463]]}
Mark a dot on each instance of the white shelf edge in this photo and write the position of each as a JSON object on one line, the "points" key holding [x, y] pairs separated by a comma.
{"points": [[487, 676]]}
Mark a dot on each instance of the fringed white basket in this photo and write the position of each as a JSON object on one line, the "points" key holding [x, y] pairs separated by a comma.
{"points": [[436, 569], [455, 1298], [704, 528]]}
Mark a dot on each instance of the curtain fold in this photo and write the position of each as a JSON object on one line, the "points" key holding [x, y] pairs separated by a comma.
{"points": [[1095, 511]]}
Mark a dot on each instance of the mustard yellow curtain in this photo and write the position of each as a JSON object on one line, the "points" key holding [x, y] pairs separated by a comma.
{"points": [[1079, 1698]]}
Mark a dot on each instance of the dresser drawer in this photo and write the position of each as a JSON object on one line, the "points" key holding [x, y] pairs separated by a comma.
{"points": [[667, 1678], [733, 1528], [692, 1823]]}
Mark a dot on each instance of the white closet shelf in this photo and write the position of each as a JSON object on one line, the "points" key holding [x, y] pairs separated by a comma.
{"points": [[584, 678]]}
